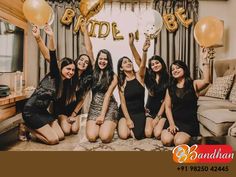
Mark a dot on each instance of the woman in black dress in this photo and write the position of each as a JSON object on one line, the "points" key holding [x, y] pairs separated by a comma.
{"points": [[41, 123], [181, 103], [103, 110], [132, 92], [156, 81], [68, 115]]}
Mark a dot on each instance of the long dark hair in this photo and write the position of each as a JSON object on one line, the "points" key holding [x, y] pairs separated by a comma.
{"points": [[150, 77], [102, 82], [121, 73], [68, 85], [85, 79], [188, 84]]}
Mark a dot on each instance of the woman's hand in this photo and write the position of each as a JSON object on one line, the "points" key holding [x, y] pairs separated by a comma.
{"points": [[36, 31], [131, 39], [71, 120], [146, 44], [100, 120], [130, 123], [172, 129], [204, 54], [48, 30], [84, 26]]}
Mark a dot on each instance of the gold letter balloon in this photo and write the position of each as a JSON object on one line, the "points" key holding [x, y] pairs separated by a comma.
{"points": [[68, 16], [37, 12]]}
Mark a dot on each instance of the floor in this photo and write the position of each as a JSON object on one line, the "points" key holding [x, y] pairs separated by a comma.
{"points": [[79, 142]]}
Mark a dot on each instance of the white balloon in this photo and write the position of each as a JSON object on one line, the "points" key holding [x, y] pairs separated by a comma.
{"points": [[150, 23]]}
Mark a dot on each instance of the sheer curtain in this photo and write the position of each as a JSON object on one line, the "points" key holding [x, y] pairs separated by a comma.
{"points": [[179, 45]]}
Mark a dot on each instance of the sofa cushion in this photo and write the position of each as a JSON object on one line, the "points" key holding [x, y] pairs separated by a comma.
{"points": [[214, 103], [221, 87], [232, 96], [217, 121]]}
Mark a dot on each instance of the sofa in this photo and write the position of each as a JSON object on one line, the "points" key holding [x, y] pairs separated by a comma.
{"points": [[217, 116]]}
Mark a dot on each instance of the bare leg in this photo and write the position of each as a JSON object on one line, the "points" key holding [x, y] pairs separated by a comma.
{"points": [[46, 134], [56, 127], [123, 130], [107, 130], [148, 127], [158, 128], [65, 125], [181, 138], [167, 138], [92, 130], [76, 125]]}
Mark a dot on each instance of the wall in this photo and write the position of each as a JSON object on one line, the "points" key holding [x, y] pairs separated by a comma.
{"points": [[224, 10]]}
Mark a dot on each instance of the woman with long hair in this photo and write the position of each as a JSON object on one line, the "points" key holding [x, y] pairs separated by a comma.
{"points": [[181, 103], [132, 93], [156, 81], [56, 84], [69, 115], [103, 111]]}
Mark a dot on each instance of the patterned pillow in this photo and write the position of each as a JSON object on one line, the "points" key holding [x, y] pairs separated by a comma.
{"points": [[232, 96], [221, 87]]}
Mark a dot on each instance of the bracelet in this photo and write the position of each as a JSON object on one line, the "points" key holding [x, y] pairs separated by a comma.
{"points": [[75, 112], [203, 64]]}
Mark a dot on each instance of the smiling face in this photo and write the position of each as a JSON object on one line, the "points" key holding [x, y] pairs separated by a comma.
{"points": [[126, 65], [102, 61], [177, 72], [83, 63], [68, 71], [156, 66]]}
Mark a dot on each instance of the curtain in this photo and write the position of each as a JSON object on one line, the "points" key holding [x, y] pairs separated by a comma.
{"points": [[67, 43], [179, 45]]}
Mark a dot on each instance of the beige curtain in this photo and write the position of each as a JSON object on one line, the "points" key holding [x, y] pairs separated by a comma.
{"points": [[68, 44], [179, 45]]}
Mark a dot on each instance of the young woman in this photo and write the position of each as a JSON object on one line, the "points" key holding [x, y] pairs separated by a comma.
{"points": [[69, 119], [181, 103], [132, 92], [43, 124], [156, 80], [103, 111]]}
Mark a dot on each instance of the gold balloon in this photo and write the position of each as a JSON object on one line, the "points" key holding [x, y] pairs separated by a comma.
{"points": [[115, 32], [37, 12], [100, 31], [92, 25], [89, 8], [68, 16], [179, 13], [77, 26], [170, 22], [209, 31]]}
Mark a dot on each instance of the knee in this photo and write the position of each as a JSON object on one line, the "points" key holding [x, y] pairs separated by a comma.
{"points": [[66, 130], [179, 141], [123, 135], [92, 137], [167, 141], [75, 131], [157, 134], [61, 136], [105, 138], [53, 141], [148, 132]]}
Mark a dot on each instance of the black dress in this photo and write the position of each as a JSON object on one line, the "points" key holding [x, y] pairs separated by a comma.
{"points": [[155, 97], [134, 96], [184, 110], [35, 113]]}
